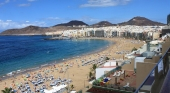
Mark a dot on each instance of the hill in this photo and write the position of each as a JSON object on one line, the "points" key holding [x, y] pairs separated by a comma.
{"points": [[141, 21], [73, 23], [27, 30], [35, 30], [103, 24]]}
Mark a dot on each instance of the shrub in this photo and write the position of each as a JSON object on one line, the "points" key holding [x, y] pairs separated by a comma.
{"points": [[107, 58], [96, 82], [134, 49], [80, 91], [109, 85]]}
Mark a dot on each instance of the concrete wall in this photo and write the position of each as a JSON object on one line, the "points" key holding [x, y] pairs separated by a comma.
{"points": [[101, 71], [129, 66], [165, 46], [143, 69], [138, 59], [156, 35], [154, 59]]}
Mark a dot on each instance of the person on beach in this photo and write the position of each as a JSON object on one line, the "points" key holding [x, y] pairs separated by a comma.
{"points": [[35, 89]]}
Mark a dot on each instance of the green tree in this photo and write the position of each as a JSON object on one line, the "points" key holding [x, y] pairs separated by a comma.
{"points": [[134, 49], [94, 68], [72, 87], [80, 91], [7, 90], [107, 58]]}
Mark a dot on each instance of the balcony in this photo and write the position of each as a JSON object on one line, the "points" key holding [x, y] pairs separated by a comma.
{"points": [[115, 84], [157, 80]]}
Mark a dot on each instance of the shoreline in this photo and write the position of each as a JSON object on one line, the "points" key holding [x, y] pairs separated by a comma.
{"points": [[51, 63], [74, 72]]}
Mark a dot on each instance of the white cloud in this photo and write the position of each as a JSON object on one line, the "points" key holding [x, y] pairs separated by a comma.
{"points": [[4, 2], [7, 1], [8, 20], [53, 18], [11, 24], [31, 0], [104, 3], [24, 5], [89, 20], [27, 21], [57, 20]]}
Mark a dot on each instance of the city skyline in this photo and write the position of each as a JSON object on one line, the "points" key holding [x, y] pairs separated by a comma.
{"points": [[22, 13]]}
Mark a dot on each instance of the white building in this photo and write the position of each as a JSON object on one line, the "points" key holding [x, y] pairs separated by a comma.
{"points": [[108, 66]]}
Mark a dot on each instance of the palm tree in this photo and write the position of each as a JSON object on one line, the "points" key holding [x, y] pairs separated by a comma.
{"points": [[72, 87], [7, 90], [90, 75], [94, 67]]}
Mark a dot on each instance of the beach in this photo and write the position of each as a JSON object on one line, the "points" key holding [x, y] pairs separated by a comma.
{"points": [[72, 68]]}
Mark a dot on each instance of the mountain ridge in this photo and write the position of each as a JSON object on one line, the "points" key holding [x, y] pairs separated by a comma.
{"points": [[75, 24], [141, 21], [103, 24], [72, 23]]}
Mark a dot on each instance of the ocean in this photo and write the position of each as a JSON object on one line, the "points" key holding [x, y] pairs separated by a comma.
{"points": [[23, 52]]}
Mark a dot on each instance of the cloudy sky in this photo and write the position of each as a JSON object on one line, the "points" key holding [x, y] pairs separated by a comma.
{"points": [[44, 13]]}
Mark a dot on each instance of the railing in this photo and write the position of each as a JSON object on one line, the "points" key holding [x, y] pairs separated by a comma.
{"points": [[165, 87], [156, 73]]}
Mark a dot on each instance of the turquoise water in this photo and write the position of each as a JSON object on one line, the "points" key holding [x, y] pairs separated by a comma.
{"points": [[23, 52]]}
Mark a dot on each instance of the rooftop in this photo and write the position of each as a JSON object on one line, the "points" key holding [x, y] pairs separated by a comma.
{"points": [[166, 27]]}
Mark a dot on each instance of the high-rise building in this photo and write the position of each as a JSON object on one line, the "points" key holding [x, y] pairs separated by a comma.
{"points": [[168, 19]]}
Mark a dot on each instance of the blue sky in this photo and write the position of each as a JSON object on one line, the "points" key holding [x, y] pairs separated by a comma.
{"points": [[45, 13]]}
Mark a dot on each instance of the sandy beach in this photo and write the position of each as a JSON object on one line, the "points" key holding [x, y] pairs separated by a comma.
{"points": [[72, 68]]}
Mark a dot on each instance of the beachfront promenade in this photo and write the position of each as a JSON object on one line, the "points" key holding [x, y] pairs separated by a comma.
{"points": [[70, 72]]}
